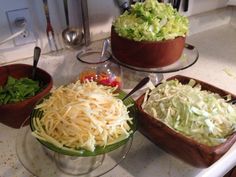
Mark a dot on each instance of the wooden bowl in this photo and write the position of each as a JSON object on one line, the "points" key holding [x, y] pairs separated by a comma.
{"points": [[14, 114], [172, 142], [146, 54]]}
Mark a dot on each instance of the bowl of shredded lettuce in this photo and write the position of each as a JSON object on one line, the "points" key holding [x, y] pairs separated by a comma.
{"points": [[150, 34], [19, 93], [151, 21], [190, 119]]}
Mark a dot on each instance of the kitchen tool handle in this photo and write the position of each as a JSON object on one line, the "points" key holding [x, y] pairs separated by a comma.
{"points": [[233, 101], [66, 12], [189, 46], [46, 11], [123, 4], [37, 52], [186, 4], [143, 82], [178, 4], [84, 6], [172, 2], [49, 29]]}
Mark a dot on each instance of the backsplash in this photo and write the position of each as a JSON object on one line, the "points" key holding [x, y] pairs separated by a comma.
{"points": [[101, 15]]}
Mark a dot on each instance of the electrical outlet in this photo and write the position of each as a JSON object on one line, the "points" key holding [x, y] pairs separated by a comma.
{"points": [[18, 20]]}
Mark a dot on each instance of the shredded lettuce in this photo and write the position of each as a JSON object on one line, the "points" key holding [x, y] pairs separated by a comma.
{"points": [[151, 21], [199, 114]]}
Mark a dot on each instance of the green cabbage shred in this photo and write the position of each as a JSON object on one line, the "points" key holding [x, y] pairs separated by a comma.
{"points": [[198, 114], [151, 21]]}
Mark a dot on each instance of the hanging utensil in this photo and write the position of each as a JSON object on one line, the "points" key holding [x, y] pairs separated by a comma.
{"points": [[177, 5], [66, 12], [72, 37], [186, 4], [124, 5], [49, 29], [171, 2], [84, 6]]}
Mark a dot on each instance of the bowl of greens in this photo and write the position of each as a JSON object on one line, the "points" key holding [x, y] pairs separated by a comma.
{"points": [[189, 119], [19, 93], [149, 35]]}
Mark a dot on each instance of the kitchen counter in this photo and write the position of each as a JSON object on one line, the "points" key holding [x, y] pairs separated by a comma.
{"points": [[216, 65]]}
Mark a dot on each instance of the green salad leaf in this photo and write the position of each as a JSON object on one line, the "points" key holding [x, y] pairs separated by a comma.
{"points": [[17, 90], [151, 21], [199, 114]]}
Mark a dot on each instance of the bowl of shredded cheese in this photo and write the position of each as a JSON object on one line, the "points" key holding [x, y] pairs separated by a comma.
{"points": [[84, 119]]}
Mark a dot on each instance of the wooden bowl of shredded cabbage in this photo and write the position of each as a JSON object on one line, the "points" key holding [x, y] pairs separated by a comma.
{"points": [[189, 118], [84, 119], [149, 35]]}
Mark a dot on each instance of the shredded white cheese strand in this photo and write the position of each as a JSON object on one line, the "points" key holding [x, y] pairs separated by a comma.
{"points": [[82, 116]]}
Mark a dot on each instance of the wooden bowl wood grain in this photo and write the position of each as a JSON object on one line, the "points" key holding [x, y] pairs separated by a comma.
{"points": [[145, 54], [172, 142]]}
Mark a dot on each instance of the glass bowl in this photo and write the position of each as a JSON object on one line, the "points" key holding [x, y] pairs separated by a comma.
{"points": [[38, 156], [99, 68], [41, 161]]}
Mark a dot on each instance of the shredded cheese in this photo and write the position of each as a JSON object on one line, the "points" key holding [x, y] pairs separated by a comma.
{"points": [[82, 116]]}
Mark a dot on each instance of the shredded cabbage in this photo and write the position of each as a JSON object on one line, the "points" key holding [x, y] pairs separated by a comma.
{"points": [[151, 21], [199, 114]]}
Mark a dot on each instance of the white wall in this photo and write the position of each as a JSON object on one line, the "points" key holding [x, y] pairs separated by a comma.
{"points": [[232, 2], [101, 14], [8, 50], [199, 6]]}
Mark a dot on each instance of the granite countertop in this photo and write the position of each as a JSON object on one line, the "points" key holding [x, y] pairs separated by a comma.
{"points": [[216, 65]]}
